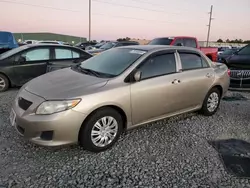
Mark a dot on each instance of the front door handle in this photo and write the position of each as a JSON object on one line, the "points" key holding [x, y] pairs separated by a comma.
{"points": [[175, 81], [209, 75]]}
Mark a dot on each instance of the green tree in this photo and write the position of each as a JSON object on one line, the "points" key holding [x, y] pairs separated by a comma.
{"points": [[219, 40], [227, 40]]}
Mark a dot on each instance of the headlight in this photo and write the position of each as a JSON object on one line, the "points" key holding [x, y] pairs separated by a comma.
{"points": [[50, 107]]}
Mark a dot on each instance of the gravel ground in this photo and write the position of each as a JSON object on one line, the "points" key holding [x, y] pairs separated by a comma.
{"points": [[168, 153]]}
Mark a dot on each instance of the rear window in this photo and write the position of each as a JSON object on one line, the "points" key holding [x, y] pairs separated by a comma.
{"points": [[161, 41]]}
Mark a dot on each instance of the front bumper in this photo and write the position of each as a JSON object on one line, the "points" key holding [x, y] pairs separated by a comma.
{"points": [[48, 130]]}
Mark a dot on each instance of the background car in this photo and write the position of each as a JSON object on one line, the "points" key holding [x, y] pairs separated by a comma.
{"points": [[50, 42], [239, 64], [225, 54], [22, 64], [83, 45], [210, 52], [92, 103], [110, 45], [7, 41], [222, 49]]}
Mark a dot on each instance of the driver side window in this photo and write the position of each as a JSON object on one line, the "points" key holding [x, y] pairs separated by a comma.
{"points": [[36, 54], [158, 66]]}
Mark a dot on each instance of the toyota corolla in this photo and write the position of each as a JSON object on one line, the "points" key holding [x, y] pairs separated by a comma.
{"points": [[122, 88]]}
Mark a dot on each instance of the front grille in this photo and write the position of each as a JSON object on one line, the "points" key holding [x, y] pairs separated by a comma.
{"points": [[23, 103], [240, 74]]}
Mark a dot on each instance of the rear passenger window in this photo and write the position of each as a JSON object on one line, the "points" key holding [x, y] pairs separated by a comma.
{"points": [[158, 66], [192, 61], [66, 53]]}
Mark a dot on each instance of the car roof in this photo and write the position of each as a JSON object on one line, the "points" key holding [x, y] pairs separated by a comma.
{"points": [[51, 45], [158, 47], [127, 41]]}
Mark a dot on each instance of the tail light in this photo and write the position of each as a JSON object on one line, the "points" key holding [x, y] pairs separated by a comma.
{"points": [[228, 72]]}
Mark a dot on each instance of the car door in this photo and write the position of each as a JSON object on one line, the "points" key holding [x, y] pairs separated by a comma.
{"points": [[157, 93], [30, 64], [64, 57], [196, 78]]}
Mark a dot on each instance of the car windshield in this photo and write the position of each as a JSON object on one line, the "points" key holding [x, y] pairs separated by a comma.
{"points": [[13, 51], [161, 41], [110, 62], [108, 45]]}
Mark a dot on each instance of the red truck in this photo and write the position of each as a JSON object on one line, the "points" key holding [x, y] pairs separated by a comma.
{"points": [[210, 52]]}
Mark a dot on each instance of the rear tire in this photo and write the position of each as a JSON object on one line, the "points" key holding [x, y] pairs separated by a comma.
{"points": [[211, 102], [4, 83], [101, 130]]}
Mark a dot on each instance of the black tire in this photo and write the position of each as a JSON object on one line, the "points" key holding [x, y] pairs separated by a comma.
{"points": [[204, 110], [86, 129], [6, 83]]}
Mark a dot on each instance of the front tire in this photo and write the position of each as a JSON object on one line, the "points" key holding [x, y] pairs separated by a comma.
{"points": [[4, 83], [101, 130], [211, 102]]}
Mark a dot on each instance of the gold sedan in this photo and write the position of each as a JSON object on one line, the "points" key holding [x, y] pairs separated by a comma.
{"points": [[119, 89]]}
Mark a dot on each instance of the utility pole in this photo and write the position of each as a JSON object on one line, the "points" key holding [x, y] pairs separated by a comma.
{"points": [[89, 20], [209, 23]]}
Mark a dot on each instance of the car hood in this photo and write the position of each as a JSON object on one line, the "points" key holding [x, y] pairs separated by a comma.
{"points": [[63, 84]]}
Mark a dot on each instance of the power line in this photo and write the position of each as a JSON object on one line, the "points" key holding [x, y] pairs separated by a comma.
{"points": [[140, 19], [153, 10], [41, 6], [114, 16]]}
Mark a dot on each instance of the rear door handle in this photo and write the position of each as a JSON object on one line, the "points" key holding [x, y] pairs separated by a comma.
{"points": [[175, 81]]}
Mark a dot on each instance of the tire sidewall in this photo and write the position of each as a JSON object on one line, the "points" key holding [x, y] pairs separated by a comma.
{"points": [[6, 83], [85, 134], [205, 108]]}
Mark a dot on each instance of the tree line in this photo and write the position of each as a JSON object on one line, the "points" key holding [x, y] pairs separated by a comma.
{"points": [[235, 41]]}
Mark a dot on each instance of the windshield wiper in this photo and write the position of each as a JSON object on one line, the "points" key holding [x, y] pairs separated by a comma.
{"points": [[89, 71]]}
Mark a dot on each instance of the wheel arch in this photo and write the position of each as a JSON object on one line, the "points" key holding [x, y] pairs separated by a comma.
{"points": [[115, 107], [2, 73]]}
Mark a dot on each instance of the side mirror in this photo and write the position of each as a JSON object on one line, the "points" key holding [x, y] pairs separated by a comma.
{"points": [[137, 76], [179, 44], [21, 59]]}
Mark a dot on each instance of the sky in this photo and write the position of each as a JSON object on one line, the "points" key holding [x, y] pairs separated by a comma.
{"points": [[141, 19]]}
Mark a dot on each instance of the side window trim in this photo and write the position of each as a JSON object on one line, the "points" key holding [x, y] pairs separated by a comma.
{"points": [[194, 53], [156, 55]]}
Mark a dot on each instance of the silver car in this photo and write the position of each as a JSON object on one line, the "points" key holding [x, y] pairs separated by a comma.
{"points": [[117, 90]]}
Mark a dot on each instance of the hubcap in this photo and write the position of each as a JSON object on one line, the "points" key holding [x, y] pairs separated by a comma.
{"points": [[213, 101], [104, 131], [2, 83]]}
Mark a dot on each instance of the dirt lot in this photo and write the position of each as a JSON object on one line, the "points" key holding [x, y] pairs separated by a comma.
{"points": [[171, 153]]}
